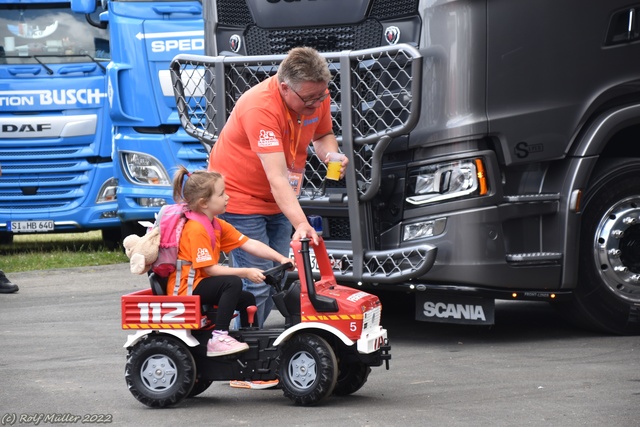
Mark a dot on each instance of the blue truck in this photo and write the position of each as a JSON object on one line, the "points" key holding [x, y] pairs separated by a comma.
{"points": [[55, 132], [148, 140]]}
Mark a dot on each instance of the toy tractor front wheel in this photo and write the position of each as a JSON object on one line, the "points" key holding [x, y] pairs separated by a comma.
{"points": [[160, 371], [351, 377], [308, 369]]}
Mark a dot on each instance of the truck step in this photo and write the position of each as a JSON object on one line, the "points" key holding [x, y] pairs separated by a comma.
{"points": [[527, 205], [534, 258], [532, 198]]}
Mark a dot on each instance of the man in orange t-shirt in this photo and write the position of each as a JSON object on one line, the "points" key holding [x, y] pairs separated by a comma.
{"points": [[262, 151]]}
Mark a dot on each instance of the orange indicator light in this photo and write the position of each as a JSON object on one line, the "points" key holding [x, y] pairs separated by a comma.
{"points": [[482, 177]]}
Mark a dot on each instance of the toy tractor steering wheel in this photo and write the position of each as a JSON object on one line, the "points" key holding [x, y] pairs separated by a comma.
{"points": [[274, 276]]}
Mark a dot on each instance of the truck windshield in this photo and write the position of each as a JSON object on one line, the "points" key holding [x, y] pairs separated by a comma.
{"points": [[50, 34]]}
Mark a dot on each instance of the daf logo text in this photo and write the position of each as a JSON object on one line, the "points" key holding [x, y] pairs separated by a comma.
{"points": [[39, 127]]}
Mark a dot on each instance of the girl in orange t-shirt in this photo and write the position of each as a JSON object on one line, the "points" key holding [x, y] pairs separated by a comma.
{"points": [[220, 285]]}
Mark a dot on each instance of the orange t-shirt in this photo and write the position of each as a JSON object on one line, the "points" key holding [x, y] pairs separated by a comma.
{"points": [[195, 247], [261, 123]]}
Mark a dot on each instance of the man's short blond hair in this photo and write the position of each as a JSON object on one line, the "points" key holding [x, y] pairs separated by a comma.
{"points": [[304, 64]]}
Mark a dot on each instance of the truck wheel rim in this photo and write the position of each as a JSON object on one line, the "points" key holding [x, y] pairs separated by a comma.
{"points": [[302, 370], [158, 372], [617, 249]]}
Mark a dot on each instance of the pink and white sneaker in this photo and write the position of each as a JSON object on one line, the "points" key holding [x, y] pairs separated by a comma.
{"points": [[223, 344]]}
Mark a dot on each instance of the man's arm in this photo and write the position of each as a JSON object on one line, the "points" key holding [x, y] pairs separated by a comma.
{"points": [[329, 144], [275, 168]]}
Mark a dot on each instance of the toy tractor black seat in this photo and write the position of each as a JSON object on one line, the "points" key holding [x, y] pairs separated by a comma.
{"points": [[287, 302], [158, 284]]}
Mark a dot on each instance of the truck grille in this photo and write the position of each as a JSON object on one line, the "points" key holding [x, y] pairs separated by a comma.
{"points": [[234, 13], [363, 35], [389, 9], [261, 41], [339, 228], [46, 179], [371, 320]]}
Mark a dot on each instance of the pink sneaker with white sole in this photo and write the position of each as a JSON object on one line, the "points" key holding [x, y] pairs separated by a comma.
{"points": [[222, 344]]}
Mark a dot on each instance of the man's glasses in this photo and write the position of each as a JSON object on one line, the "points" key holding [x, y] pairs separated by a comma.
{"points": [[310, 101]]}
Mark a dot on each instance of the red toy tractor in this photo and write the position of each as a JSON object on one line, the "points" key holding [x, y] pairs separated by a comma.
{"points": [[332, 337]]}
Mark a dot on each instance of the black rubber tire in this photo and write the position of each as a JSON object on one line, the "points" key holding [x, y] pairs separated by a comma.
{"points": [[160, 371], [606, 299], [132, 227], [199, 387], [112, 237], [308, 369], [351, 378], [6, 238]]}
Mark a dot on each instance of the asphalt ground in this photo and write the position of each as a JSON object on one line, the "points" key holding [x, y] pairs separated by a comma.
{"points": [[62, 361]]}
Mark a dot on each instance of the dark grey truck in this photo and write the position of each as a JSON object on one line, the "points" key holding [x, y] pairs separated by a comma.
{"points": [[494, 145]]}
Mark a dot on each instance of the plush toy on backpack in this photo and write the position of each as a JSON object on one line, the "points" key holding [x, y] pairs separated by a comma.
{"points": [[158, 249], [142, 251]]}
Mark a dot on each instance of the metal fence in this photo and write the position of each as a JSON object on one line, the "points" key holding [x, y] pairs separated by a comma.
{"points": [[375, 96], [374, 93]]}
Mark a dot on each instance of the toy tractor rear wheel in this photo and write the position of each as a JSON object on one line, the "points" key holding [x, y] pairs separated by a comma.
{"points": [[308, 369], [351, 377], [160, 371]]}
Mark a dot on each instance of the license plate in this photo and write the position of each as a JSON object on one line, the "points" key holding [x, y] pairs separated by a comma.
{"points": [[312, 258], [454, 309], [30, 226]]}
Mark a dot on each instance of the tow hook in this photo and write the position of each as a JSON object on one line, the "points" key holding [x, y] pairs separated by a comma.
{"points": [[385, 353]]}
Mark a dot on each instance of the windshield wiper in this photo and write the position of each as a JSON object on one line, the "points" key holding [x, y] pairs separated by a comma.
{"points": [[49, 70], [104, 69], [84, 55]]}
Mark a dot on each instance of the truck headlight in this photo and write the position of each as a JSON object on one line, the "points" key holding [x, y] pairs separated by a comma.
{"points": [[107, 192], [445, 181], [144, 169]]}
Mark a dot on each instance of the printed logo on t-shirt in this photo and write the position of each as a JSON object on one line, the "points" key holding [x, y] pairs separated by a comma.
{"points": [[267, 139], [203, 255]]}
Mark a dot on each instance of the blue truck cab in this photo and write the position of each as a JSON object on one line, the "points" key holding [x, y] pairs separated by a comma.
{"points": [[148, 140], [55, 131]]}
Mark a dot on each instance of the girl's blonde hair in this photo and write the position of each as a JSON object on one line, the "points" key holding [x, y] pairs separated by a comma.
{"points": [[198, 185]]}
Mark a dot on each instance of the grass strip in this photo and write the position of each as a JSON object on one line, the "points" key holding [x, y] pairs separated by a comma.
{"points": [[48, 251]]}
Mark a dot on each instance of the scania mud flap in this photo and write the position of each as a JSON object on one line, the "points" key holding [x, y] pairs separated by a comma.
{"points": [[461, 309]]}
